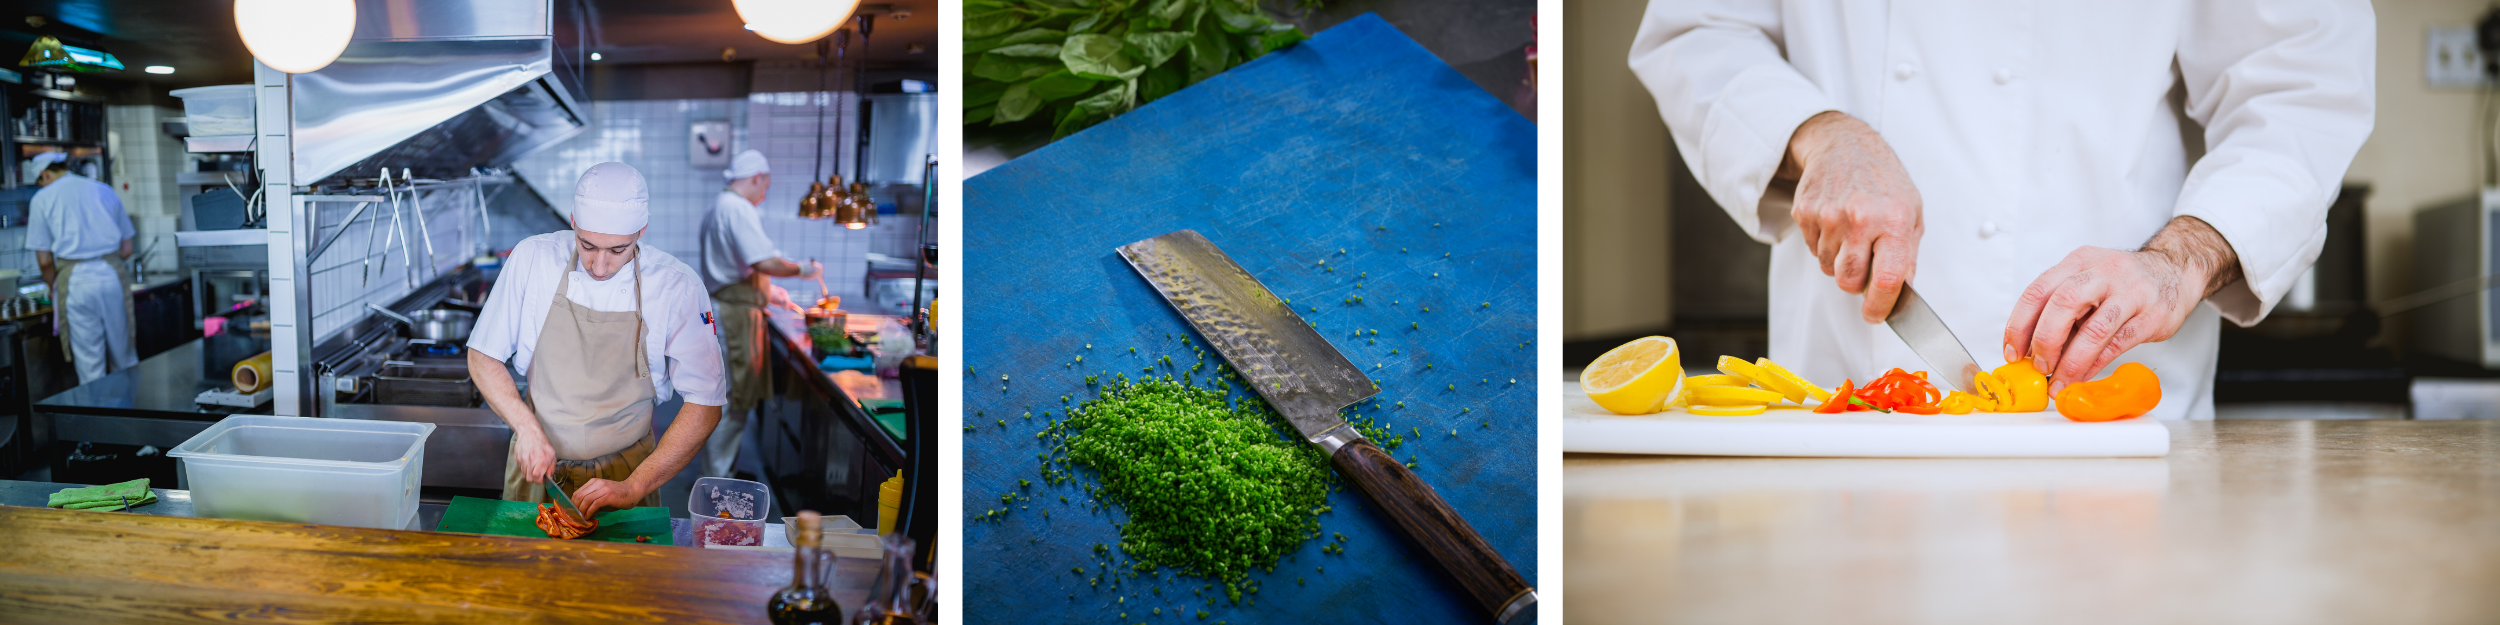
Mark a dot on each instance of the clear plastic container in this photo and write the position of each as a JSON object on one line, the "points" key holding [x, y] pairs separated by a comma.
{"points": [[729, 512], [218, 111], [306, 470]]}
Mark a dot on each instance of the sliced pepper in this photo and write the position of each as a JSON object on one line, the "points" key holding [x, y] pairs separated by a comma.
{"points": [[1840, 399]]}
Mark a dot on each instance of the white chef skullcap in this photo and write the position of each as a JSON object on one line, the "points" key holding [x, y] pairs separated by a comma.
{"points": [[611, 199], [46, 159], [746, 164]]}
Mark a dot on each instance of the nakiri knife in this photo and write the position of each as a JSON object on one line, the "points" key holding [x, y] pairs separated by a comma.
{"points": [[1927, 335], [1307, 381]]}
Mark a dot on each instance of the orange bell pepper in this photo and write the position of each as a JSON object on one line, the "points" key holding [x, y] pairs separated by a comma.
{"points": [[2127, 393]]}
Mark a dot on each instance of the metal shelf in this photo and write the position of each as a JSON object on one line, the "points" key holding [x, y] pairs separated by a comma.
{"points": [[224, 143], [47, 141]]}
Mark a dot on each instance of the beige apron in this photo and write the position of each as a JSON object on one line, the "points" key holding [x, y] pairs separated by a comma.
{"points": [[60, 306], [590, 383], [740, 306]]}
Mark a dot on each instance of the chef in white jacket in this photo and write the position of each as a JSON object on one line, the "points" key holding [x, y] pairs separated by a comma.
{"points": [[80, 233], [2080, 183]]}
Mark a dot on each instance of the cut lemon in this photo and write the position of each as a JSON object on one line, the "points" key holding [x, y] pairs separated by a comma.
{"points": [[1817, 392], [1635, 378], [1732, 396], [1728, 411], [1716, 379], [1779, 387]]}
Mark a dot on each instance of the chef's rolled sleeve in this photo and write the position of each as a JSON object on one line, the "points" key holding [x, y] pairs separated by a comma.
{"points": [[694, 352], [1730, 99], [2285, 91]]}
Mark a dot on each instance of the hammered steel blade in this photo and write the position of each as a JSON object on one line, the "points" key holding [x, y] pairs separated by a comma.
{"points": [[1300, 374], [1927, 335]]}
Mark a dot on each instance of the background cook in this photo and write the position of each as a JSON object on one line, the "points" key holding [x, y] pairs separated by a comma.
{"points": [[739, 261], [605, 328]]}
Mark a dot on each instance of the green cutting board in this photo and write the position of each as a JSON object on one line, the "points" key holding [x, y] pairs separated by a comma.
{"points": [[471, 515]]}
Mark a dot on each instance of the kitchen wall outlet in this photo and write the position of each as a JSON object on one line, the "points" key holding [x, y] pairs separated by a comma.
{"points": [[2453, 61]]}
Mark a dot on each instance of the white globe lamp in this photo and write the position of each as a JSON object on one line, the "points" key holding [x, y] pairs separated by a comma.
{"points": [[794, 21], [295, 36]]}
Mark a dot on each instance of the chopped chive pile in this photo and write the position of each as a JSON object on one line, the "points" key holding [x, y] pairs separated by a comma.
{"points": [[1211, 487]]}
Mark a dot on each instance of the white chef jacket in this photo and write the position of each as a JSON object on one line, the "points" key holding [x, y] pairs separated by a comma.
{"points": [[732, 240], [2031, 128], [679, 340], [77, 217]]}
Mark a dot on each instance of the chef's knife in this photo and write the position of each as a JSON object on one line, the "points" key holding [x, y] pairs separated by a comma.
{"points": [[1919, 326], [1307, 380], [564, 504]]}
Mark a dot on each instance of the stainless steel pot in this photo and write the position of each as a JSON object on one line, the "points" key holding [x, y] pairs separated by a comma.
{"points": [[438, 324]]}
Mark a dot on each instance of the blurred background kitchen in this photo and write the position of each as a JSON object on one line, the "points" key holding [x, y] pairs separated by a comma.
{"points": [[285, 221], [2395, 321]]}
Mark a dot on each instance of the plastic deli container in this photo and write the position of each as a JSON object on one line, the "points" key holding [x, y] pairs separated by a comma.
{"points": [[306, 470], [218, 111], [729, 512]]}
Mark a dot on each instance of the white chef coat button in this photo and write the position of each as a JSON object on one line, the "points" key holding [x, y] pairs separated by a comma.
{"points": [[2004, 75], [1904, 71]]}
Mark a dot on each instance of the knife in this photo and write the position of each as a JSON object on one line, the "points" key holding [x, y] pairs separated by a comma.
{"points": [[1927, 335], [564, 504], [1307, 381]]}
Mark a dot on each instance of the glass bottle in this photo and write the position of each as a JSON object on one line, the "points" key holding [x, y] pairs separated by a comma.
{"points": [[809, 599]]}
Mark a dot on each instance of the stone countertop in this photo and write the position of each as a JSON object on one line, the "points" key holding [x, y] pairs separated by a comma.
{"points": [[2244, 521]]}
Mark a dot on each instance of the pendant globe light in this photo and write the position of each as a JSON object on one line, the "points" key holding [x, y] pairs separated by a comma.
{"points": [[295, 36], [793, 21]]}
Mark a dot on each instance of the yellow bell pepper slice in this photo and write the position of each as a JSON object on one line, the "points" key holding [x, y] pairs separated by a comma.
{"points": [[2025, 388]]}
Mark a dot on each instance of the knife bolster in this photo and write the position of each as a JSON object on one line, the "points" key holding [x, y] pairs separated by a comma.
{"points": [[1431, 524], [1336, 438]]}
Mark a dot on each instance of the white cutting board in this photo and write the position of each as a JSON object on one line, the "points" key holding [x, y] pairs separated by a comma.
{"points": [[1799, 432]]}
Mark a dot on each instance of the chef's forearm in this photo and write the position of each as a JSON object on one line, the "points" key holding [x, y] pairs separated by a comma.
{"points": [[2199, 250], [778, 268], [495, 382], [43, 264], [685, 435]]}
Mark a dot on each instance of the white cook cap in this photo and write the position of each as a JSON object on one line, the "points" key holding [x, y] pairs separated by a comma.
{"points": [[46, 159], [747, 164], [611, 199]]}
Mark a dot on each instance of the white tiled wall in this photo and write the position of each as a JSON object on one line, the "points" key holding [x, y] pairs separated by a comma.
{"points": [[651, 135]]}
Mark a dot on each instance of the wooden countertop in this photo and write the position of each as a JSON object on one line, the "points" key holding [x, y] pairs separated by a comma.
{"points": [[2244, 522], [70, 566]]}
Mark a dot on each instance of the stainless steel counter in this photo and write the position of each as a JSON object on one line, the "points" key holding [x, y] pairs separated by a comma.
{"points": [[2244, 522], [154, 403]]}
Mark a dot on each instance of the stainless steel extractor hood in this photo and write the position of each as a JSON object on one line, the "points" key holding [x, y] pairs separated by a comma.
{"points": [[436, 86]]}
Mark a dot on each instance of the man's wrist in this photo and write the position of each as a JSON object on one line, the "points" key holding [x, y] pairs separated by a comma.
{"points": [[2199, 251], [1808, 140]]}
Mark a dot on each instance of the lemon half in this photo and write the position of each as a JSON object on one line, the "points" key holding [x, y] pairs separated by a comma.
{"points": [[1639, 377]]}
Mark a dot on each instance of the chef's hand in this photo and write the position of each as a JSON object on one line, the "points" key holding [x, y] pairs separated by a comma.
{"points": [[780, 297], [598, 494], [813, 271], [1856, 207], [2100, 302], [537, 458]]}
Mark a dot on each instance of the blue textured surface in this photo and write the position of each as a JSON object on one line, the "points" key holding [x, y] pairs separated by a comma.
{"points": [[1282, 162]]}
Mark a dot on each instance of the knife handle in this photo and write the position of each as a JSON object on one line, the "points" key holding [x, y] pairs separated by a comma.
{"points": [[1431, 524]]}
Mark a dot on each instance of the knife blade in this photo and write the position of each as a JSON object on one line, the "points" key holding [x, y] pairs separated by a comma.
{"points": [[1307, 380], [1927, 335], [564, 503]]}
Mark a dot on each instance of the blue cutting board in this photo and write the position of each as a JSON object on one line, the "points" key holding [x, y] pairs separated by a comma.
{"points": [[1302, 156]]}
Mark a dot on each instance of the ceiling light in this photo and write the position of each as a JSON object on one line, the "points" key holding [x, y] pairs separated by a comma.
{"points": [[794, 21], [295, 36], [160, 69], [594, 56]]}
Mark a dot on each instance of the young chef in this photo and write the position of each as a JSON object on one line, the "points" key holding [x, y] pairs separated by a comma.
{"points": [[2118, 176], [605, 329], [738, 260], [79, 222]]}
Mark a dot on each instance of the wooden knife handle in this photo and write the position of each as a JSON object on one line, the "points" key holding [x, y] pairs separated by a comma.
{"points": [[1431, 524]]}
